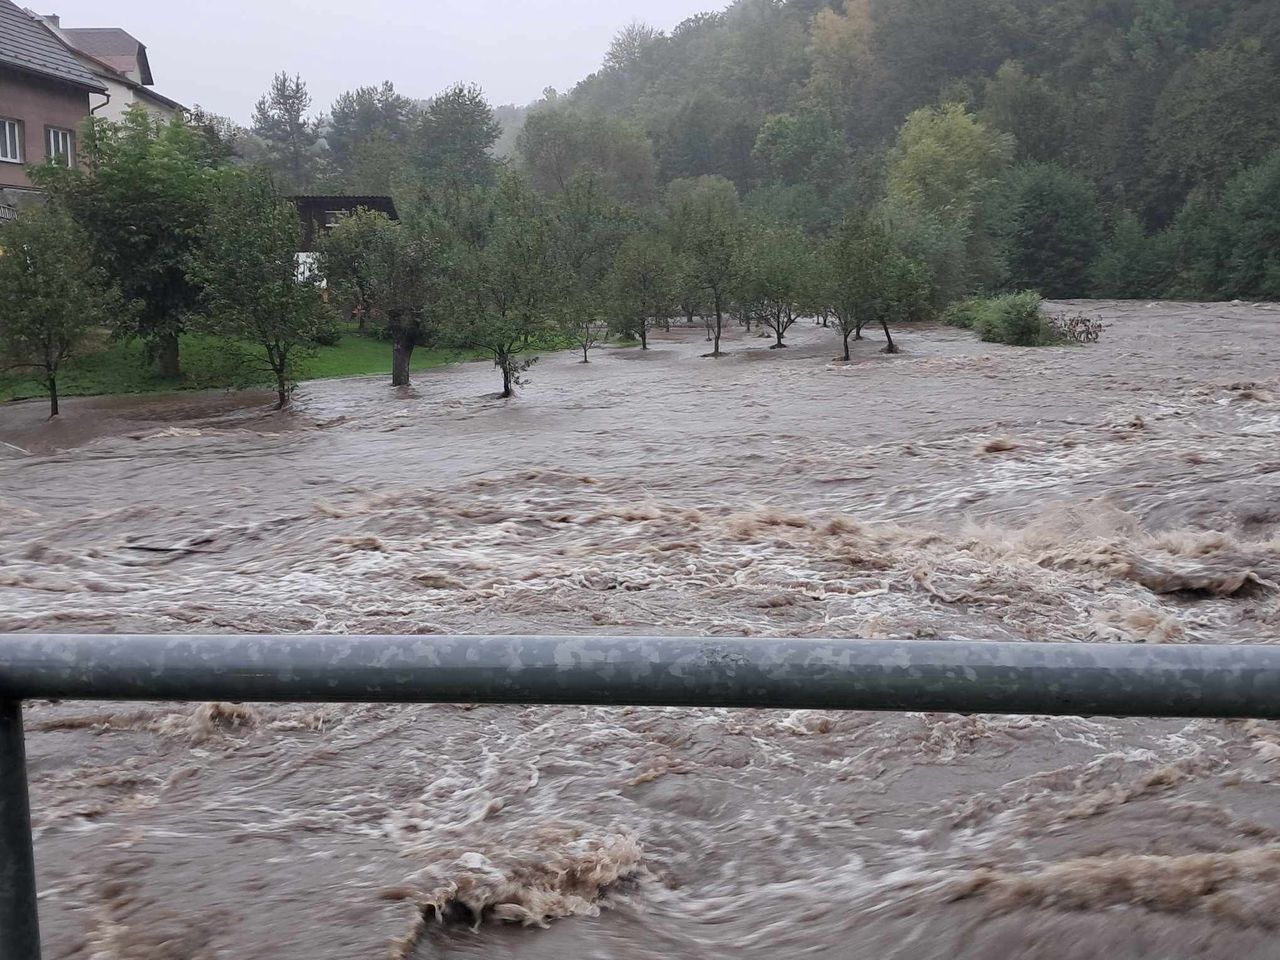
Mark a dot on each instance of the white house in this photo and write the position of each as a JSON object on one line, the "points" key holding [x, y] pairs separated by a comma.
{"points": [[119, 61]]}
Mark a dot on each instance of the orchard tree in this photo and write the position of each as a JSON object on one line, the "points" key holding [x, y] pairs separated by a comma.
{"points": [[397, 272], [707, 217], [509, 282], [869, 280], [773, 278], [52, 293], [142, 199], [587, 228], [642, 285], [347, 262], [247, 268]]}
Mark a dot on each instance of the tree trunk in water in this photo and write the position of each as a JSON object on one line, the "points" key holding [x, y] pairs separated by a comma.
{"points": [[53, 396], [401, 354], [778, 331], [282, 391], [167, 356], [892, 347], [506, 378], [846, 344], [584, 354], [688, 315], [716, 352], [644, 338]]}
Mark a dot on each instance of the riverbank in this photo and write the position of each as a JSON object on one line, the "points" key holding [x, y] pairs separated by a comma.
{"points": [[120, 368]]}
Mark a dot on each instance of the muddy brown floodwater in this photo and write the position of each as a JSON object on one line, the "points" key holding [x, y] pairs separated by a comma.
{"points": [[1124, 492]]}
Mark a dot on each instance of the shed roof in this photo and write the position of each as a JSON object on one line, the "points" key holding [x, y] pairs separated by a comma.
{"points": [[27, 44]]}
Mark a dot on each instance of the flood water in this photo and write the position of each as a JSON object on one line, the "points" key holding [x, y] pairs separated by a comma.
{"points": [[1127, 491]]}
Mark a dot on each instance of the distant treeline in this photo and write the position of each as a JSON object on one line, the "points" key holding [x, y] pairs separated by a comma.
{"points": [[1082, 147]]}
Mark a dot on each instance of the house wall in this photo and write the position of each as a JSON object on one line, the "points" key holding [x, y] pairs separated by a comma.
{"points": [[121, 98], [37, 103]]}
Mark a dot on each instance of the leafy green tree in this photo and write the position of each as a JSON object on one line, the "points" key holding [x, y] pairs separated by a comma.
{"points": [[1028, 109], [347, 261], [1203, 248], [248, 270], [707, 217], [869, 280], [773, 277], [642, 285], [52, 294], [456, 136], [291, 137], [401, 274], [945, 158], [1131, 264], [1252, 206], [143, 202], [509, 282], [802, 147], [587, 229], [557, 145], [1216, 116], [1050, 227]]}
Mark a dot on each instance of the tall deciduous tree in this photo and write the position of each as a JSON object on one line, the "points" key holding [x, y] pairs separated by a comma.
{"points": [[143, 201], [248, 270], [52, 293], [369, 115], [291, 136]]}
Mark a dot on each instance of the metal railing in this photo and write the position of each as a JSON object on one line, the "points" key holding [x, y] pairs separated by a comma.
{"points": [[958, 676]]}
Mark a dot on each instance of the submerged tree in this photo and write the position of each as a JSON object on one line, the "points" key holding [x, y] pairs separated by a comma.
{"points": [[248, 270], [642, 285], [508, 282], [869, 280], [52, 294], [773, 278], [707, 218]]}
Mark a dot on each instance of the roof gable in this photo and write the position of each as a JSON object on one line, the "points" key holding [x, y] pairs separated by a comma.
{"points": [[27, 44], [118, 48]]}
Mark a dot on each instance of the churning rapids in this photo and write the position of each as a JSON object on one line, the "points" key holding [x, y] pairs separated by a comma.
{"points": [[1127, 491]]}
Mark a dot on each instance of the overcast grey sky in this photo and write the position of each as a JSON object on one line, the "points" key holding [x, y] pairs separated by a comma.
{"points": [[222, 53]]}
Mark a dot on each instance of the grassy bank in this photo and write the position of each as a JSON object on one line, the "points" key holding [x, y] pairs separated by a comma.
{"points": [[207, 364]]}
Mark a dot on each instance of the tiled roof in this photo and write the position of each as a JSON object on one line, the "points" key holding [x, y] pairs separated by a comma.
{"points": [[119, 48], [27, 44]]}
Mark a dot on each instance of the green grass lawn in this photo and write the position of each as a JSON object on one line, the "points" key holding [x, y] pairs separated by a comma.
{"points": [[207, 364]]}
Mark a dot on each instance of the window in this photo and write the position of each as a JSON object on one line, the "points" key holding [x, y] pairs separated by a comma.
{"points": [[11, 141], [333, 217], [60, 146]]}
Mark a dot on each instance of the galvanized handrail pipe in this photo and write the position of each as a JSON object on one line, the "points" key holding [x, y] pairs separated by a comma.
{"points": [[947, 676]]}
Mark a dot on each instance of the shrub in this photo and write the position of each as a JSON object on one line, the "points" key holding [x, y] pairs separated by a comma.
{"points": [[964, 313], [1014, 319]]}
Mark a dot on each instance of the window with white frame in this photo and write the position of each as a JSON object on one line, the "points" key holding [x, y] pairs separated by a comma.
{"points": [[60, 146], [10, 140]]}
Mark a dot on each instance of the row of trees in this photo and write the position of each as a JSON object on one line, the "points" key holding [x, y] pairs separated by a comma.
{"points": [[160, 236], [506, 270]]}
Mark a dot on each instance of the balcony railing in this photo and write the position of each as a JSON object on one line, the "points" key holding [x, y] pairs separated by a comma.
{"points": [[961, 676]]}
